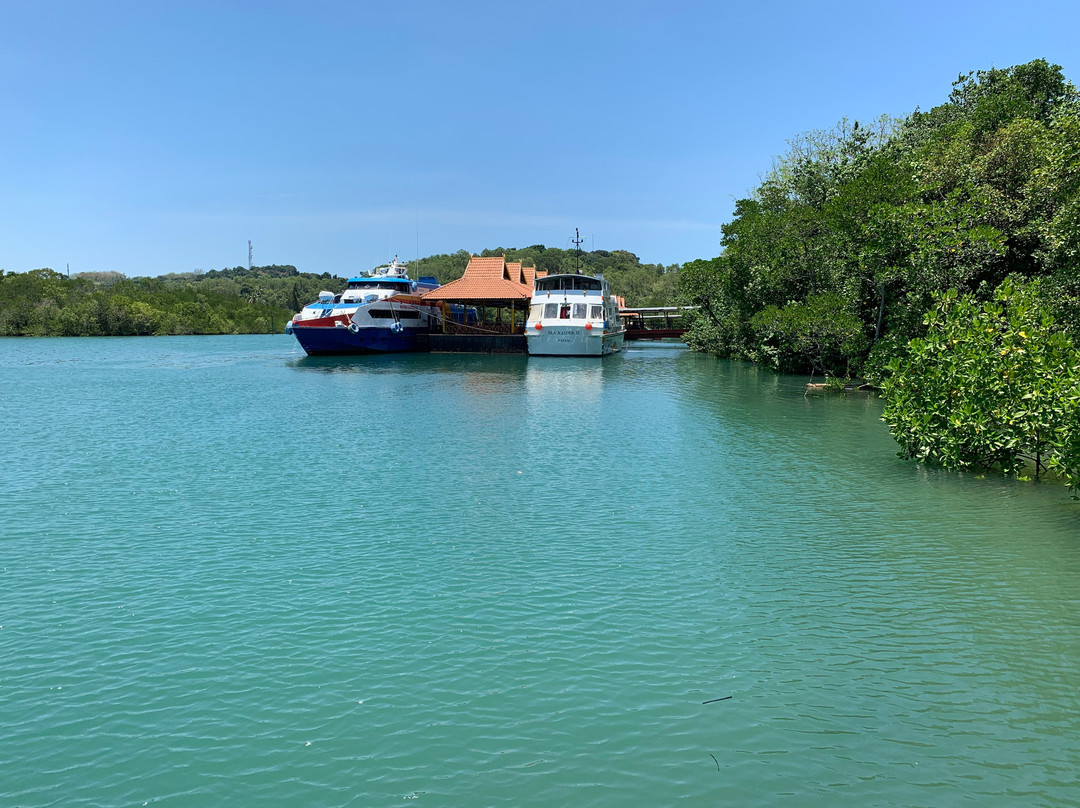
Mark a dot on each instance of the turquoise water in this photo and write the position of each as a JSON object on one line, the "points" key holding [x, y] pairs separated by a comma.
{"points": [[233, 575]]}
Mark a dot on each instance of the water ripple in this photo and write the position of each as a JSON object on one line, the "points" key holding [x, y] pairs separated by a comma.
{"points": [[233, 575]]}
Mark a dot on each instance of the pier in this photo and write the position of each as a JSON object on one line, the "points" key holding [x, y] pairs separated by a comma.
{"points": [[655, 322], [478, 343]]}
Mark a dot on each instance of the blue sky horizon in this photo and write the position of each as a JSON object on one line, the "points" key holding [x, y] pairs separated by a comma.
{"points": [[157, 138]]}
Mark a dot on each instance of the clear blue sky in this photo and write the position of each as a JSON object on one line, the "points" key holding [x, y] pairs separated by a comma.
{"points": [[153, 137]]}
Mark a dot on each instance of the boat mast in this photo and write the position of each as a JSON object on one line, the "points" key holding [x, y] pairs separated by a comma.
{"points": [[576, 241]]}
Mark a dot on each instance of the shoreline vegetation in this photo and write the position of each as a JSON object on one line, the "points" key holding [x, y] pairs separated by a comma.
{"points": [[937, 257], [258, 300]]}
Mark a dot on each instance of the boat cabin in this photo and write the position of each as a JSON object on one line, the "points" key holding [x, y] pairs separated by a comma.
{"points": [[559, 283], [371, 284], [359, 288]]}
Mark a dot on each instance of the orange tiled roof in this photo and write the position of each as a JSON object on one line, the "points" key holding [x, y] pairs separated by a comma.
{"points": [[514, 270], [529, 274], [484, 279], [493, 267]]}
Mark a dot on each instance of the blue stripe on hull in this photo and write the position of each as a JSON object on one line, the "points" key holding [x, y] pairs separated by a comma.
{"points": [[322, 341]]}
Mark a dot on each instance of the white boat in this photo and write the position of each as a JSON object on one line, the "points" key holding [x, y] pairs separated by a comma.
{"points": [[573, 315], [377, 313]]}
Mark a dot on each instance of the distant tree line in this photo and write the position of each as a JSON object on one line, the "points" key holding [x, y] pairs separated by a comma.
{"points": [[254, 300], [42, 302], [938, 255]]}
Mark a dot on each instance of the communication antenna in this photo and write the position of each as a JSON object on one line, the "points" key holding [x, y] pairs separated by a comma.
{"points": [[69, 271], [250, 253], [576, 241]]}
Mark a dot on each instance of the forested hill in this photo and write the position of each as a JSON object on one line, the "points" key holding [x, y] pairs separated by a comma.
{"points": [[244, 300]]}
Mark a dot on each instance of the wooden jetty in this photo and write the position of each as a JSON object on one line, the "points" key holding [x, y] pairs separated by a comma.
{"points": [[478, 343]]}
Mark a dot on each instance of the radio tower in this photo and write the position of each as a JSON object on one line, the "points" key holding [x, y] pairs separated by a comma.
{"points": [[250, 264]]}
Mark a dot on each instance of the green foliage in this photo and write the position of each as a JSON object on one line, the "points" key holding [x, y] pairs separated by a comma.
{"points": [[719, 292], [46, 303], [444, 267], [990, 99], [981, 187], [992, 385], [817, 335], [102, 278]]}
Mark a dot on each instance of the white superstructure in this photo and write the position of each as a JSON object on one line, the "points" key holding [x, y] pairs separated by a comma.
{"points": [[573, 315], [390, 281]]}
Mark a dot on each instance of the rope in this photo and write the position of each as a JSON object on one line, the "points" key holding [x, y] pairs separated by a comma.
{"points": [[477, 328]]}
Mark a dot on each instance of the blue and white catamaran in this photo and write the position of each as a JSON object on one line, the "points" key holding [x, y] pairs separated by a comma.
{"points": [[381, 312]]}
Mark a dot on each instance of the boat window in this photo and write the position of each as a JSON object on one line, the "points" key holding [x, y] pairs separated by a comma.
{"points": [[597, 313], [536, 311], [551, 311], [564, 282], [579, 311], [564, 311], [394, 286]]}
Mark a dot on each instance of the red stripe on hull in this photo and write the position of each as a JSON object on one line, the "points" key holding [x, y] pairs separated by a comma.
{"points": [[322, 322]]}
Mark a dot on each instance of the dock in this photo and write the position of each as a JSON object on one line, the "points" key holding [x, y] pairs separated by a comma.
{"points": [[655, 322], [646, 323], [478, 343]]}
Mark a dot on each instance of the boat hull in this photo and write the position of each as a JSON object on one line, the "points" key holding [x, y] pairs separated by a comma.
{"points": [[338, 341], [562, 340]]}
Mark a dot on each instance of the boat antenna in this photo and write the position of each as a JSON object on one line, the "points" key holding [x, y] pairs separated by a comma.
{"points": [[576, 241]]}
